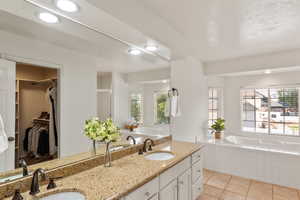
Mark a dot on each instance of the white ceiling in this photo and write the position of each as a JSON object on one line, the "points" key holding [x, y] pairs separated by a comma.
{"points": [[19, 17], [216, 29]]}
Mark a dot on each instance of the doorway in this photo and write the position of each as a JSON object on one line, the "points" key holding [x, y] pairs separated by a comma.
{"points": [[36, 114]]}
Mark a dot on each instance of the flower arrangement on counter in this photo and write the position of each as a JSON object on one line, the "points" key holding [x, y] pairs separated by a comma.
{"points": [[103, 131], [131, 125]]}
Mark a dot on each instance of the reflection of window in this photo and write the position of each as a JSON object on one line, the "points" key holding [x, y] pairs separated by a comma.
{"points": [[160, 103], [213, 105], [270, 110], [136, 107]]}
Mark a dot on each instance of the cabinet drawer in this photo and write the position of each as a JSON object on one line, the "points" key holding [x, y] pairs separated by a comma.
{"points": [[172, 173], [145, 192], [197, 189], [196, 171], [196, 156]]}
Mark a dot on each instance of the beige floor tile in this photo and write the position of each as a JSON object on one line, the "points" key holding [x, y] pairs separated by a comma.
{"points": [[219, 180], [212, 191], [238, 185], [232, 196], [284, 193], [207, 174], [260, 191], [206, 197]]}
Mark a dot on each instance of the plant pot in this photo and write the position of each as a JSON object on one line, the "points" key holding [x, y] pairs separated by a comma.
{"points": [[217, 135]]}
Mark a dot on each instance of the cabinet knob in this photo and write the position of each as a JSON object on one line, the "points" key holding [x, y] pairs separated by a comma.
{"points": [[11, 139], [199, 170], [181, 182], [147, 194]]}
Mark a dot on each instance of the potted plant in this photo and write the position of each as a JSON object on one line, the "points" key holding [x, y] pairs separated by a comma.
{"points": [[102, 131], [218, 126]]}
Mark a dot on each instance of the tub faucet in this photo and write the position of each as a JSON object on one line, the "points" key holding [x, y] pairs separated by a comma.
{"points": [[132, 138], [35, 188], [150, 146], [23, 164]]}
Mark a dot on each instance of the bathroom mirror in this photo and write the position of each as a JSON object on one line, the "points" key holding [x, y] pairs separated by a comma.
{"points": [[43, 48]]}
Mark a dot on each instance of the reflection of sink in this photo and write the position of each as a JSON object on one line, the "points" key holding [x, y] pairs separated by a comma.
{"points": [[160, 155], [119, 147], [65, 196]]}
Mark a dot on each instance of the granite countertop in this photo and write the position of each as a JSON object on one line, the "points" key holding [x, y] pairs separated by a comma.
{"points": [[81, 156], [126, 174]]}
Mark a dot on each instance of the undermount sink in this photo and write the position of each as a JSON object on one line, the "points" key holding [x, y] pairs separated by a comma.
{"points": [[160, 155], [64, 196]]}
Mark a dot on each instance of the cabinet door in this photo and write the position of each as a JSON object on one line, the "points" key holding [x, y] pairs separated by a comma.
{"points": [[169, 192], [185, 186]]}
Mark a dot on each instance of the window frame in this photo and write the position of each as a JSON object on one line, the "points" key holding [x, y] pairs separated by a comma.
{"points": [[219, 109], [269, 132], [141, 122]]}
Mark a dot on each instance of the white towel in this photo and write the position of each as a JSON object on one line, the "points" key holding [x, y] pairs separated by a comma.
{"points": [[175, 106], [3, 137]]}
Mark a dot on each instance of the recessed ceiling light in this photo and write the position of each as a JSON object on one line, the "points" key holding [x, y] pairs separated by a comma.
{"points": [[48, 18], [164, 81], [134, 51], [268, 71], [151, 47], [67, 5]]}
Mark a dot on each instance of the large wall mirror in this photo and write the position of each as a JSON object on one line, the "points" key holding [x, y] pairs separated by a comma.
{"points": [[58, 69]]}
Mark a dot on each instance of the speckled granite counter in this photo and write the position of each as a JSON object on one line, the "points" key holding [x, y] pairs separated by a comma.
{"points": [[126, 174]]}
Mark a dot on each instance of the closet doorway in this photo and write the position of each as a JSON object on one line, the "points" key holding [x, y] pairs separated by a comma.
{"points": [[36, 127]]}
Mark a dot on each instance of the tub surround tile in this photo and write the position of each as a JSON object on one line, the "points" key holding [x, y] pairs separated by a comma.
{"points": [[126, 174]]}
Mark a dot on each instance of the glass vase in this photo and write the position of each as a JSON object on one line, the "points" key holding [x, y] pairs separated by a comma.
{"points": [[107, 157]]}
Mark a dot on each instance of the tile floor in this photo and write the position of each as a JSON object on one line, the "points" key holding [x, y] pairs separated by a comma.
{"points": [[218, 186]]}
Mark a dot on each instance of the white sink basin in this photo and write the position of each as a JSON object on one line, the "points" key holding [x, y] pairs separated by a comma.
{"points": [[160, 156], [65, 196]]}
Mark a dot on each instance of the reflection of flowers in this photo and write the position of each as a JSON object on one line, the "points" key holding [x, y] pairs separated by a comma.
{"points": [[104, 131]]}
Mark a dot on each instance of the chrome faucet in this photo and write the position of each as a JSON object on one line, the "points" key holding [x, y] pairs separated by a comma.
{"points": [[150, 146], [35, 188], [132, 138], [23, 164]]}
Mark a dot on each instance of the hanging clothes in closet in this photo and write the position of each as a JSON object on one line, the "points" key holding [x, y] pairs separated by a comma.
{"points": [[53, 135]]}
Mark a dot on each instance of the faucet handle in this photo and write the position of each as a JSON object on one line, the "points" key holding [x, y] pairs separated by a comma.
{"points": [[17, 195], [52, 184], [141, 151]]}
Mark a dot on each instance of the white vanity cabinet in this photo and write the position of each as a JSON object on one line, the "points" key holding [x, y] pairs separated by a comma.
{"points": [[170, 191], [148, 191], [181, 182]]}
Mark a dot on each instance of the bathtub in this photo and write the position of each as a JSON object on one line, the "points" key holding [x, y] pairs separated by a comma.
{"points": [[268, 160], [270, 145]]}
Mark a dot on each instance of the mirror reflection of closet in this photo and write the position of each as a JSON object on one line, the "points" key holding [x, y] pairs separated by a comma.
{"points": [[104, 95], [37, 134]]}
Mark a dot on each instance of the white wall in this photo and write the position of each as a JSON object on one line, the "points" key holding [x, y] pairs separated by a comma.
{"points": [[232, 94], [187, 76], [252, 63], [78, 85], [120, 108]]}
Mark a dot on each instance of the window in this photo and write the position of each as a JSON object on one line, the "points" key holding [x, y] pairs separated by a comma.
{"points": [[136, 107], [160, 103], [213, 105], [270, 110]]}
